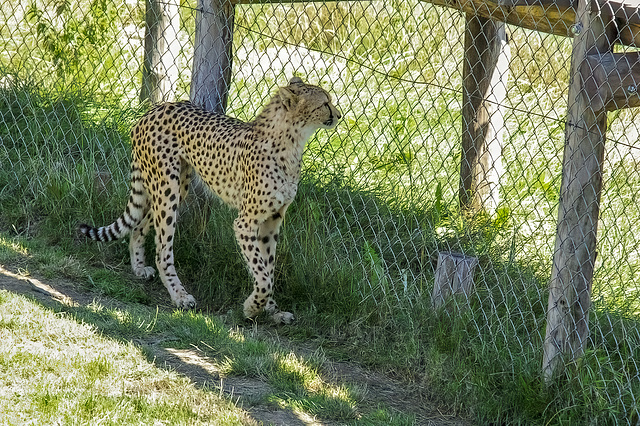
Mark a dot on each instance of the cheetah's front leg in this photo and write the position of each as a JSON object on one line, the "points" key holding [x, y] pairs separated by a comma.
{"points": [[258, 244], [268, 234]]}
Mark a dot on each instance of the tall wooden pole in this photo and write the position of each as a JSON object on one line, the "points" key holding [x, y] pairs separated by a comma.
{"points": [[211, 72], [578, 211], [161, 48], [485, 75], [211, 76]]}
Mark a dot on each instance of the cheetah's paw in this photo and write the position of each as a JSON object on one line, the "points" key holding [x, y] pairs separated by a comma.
{"points": [[249, 309], [185, 301], [282, 317], [145, 272]]}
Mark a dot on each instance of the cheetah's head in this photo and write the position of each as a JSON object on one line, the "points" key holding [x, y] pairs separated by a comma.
{"points": [[309, 103]]}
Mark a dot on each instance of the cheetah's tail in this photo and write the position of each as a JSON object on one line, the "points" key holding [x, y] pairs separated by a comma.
{"points": [[134, 213], [118, 229]]}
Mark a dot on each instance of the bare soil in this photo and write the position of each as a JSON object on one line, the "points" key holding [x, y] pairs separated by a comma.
{"points": [[247, 392]]}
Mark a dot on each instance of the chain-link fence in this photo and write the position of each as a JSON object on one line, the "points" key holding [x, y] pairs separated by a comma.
{"points": [[452, 141]]}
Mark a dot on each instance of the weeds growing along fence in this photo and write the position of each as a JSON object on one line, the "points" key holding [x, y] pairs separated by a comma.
{"points": [[379, 197]]}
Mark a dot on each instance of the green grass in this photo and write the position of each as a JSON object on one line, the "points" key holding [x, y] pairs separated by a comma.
{"points": [[78, 364], [58, 367]]}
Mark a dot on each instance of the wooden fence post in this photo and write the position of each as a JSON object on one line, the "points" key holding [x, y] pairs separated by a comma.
{"points": [[485, 75], [211, 72], [211, 75], [454, 275], [161, 49], [578, 212]]}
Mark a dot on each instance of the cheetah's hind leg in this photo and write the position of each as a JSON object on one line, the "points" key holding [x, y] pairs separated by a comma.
{"points": [[165, 213], [136, 247]]}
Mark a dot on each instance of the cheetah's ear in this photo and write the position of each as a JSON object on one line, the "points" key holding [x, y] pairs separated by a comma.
{"points": [[288, 98]]}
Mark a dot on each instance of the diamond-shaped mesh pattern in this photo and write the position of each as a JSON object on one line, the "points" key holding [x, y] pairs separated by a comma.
{"points": [[390, 172]]}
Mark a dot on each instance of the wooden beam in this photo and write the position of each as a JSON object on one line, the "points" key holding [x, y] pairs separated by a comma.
{"points": [[211, 75], [574, 256], [626, 10], [161, 49], [612, 80], [548, 16]]}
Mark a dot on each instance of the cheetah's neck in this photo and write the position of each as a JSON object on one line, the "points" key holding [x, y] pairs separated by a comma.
{"points": [[286, 137]]}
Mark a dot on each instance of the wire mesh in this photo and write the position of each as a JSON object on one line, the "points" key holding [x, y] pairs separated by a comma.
{"points": [[391, 170]]}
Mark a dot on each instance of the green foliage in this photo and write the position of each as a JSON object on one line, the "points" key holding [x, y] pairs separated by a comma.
{"points": [[74, 45], [69, 38]]}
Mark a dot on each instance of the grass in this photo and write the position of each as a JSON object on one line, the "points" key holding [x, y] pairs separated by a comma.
{"points": [[60, 369], [377, 203], [85, 363]]}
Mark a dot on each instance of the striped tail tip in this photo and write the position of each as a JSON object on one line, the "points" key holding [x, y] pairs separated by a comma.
{"points": [[88, 231], [92, 232]]}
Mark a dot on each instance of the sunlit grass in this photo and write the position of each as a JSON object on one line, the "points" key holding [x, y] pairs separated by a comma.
{"points": [[83, 362], [297, 382], [10, 248], [58, 370]]}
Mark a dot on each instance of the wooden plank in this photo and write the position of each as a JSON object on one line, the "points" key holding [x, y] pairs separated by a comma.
{"points": [[612, 80], [211, 76], [548, 16], [554, 17], [626, 10], [578, 211], [485, 74], [454, 275]]}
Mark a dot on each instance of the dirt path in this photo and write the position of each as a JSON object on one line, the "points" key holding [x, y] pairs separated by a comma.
{"points": [[249, 393]]}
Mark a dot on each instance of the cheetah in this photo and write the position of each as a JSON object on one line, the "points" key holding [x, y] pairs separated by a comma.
{"points": [[253, 167]]}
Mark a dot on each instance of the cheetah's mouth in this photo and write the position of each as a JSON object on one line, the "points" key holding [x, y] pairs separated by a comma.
{"points": [[331, 121]]}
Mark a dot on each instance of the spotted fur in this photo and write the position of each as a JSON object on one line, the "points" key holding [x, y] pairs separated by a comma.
{"points": [[254, 167]]}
